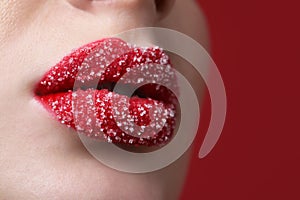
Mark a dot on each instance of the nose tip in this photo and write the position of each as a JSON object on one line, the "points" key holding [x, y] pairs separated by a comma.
{"points": [[116, 14], [159, 7], [88, 4]]}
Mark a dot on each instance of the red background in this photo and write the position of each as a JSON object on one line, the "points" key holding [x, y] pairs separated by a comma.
{"points": [[256, 47]]}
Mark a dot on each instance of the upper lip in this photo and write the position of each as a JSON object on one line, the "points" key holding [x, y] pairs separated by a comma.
{"points": [[75, 71]]}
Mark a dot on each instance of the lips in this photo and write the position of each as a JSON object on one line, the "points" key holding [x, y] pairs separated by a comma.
{"points": [[88, 90]]}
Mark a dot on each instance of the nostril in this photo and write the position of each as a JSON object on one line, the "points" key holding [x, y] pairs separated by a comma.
{"points": [[163, 7], [160, 5]]}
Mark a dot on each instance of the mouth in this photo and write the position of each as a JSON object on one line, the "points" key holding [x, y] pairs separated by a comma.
{"points": [[79, 92]]}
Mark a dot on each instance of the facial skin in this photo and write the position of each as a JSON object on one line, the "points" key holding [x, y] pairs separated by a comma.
{"points": [[40, 158]]}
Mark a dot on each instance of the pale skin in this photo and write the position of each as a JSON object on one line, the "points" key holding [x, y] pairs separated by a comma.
{"points": [[42, 159]]}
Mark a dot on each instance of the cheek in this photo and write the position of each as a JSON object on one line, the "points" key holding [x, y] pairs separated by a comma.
{"points": [[15, 15]]}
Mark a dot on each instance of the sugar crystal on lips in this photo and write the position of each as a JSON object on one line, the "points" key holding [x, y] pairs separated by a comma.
{"points": [[102, 114]]}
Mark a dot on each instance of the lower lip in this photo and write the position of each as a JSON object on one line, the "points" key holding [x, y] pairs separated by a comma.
{"points": [[108, 116]]}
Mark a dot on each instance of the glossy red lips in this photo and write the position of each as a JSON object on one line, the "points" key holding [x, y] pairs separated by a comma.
{"points": [[78, 91]]}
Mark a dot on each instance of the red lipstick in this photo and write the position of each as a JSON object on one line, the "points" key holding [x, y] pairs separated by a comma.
{"points": [[78, 92]]}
